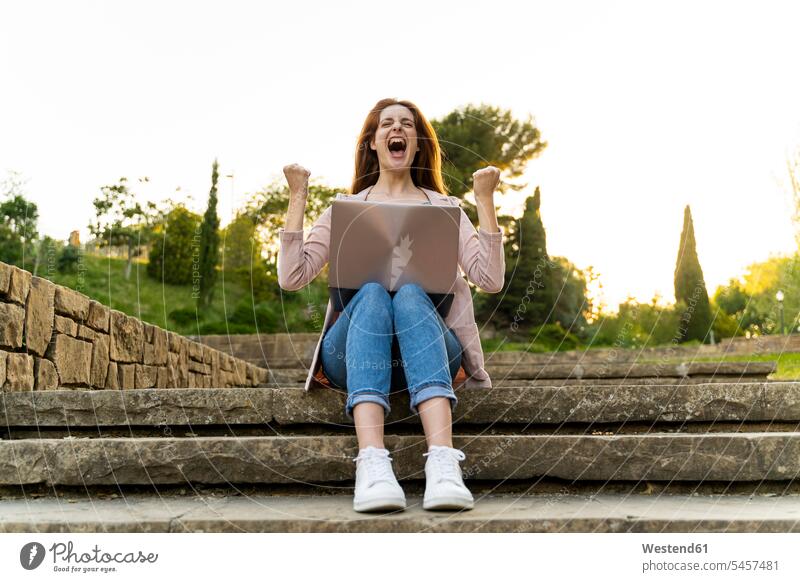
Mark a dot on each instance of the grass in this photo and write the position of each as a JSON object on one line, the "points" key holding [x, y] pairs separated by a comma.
{"points": [[231, 311], [788, 363], [499, 344]]}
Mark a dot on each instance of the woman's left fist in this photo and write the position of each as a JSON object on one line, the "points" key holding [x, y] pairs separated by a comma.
{"points": [[484, 182]]}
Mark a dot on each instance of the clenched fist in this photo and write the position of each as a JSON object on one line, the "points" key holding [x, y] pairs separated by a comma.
{"points": [[484, 181], [297, 178]]}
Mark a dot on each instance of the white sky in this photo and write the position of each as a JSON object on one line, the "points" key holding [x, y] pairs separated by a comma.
{"points": [[646, 107]]}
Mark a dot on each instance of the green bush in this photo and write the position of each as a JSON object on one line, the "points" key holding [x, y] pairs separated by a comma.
{"points": [[185, 316], [636, 325], [68, 259], [260, 284], [551, 337], [265, 316], [10, 246], [726, 326], [175, 253], [220, 327]]}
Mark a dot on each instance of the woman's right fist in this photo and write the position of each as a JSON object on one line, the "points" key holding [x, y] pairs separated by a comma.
{"points": [[297, 177]]}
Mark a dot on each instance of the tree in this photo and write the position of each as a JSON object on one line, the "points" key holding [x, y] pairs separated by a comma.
{"points": [[529, 292], [690, 287], [47, 253], [751, 300], [635, 325], [732, 299], [209, 243], [793, 169], [268, 209], [475, 136], [242, 247], [571, 303], [18, 221], [120, 220], [243, 263], [11, 249], [175, 253], [68, 259]]}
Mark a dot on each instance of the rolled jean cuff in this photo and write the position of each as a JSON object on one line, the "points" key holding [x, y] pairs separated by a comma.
{"points": [[432, 390], [354, 398]]}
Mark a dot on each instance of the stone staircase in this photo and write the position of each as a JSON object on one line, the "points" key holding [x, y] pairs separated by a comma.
{"points": [[568, 447], [288, 357]]}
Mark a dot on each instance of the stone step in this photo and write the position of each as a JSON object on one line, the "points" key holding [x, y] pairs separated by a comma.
{"points": [[770, 402], [729, 457], [297, 376], [600, 356], [524, 370], [270, 348], [553, 513], [652, 370]]}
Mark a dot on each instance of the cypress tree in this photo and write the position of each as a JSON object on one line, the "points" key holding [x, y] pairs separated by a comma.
{"points": [[690, 287], [528, 296], [209, 244]]}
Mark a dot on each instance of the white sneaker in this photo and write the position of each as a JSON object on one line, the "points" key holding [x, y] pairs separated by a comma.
{"points": [[444, 483], [376, 486]]}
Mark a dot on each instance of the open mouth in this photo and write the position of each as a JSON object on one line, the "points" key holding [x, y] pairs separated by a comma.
{"points": [[397, 147]]}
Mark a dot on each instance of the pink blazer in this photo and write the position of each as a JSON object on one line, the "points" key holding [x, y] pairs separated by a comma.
{"points": [[480, 257]]}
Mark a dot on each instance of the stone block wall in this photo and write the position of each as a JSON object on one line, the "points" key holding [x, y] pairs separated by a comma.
{"points": [[54, 337]]}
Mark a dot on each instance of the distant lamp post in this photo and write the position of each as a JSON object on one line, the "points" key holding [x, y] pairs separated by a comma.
{"points": [[232, 193], [779, 297]]}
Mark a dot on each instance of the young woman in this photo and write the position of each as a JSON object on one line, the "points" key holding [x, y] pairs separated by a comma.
{"points": [[380, 341]]}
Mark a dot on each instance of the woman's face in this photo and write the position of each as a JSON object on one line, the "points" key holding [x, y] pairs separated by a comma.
{"points": [[395, 140]]}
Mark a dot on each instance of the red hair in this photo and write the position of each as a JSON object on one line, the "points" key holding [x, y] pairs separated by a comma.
{"points": [[426, 167]]}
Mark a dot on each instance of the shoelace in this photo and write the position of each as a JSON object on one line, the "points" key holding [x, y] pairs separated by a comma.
{"points": [[446, 462], [374, 461]]}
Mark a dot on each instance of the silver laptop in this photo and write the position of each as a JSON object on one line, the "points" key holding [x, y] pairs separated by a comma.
{"points": [[393, 243]]}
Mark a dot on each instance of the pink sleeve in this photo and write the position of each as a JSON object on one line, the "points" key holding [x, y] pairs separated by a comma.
{"points": [[480, 254], [299, 262]]}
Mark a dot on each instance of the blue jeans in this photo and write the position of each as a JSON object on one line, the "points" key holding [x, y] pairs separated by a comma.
{"points": [[367, 348]]}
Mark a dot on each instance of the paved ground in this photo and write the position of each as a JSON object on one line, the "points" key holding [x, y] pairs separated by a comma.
{"points": [[499, 513]]}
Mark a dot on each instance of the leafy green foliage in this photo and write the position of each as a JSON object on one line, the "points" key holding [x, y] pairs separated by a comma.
{"points": [[175, 253], [184, 316], [571, 302], [68, 259], [174, 307], [475, 136], [11, 247], [120, 220], [538, 289], [268, 208], [751, 301], [241, 244], [636, 325], [209, 243], [690, 287], [18, 222], [552, 337]]}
